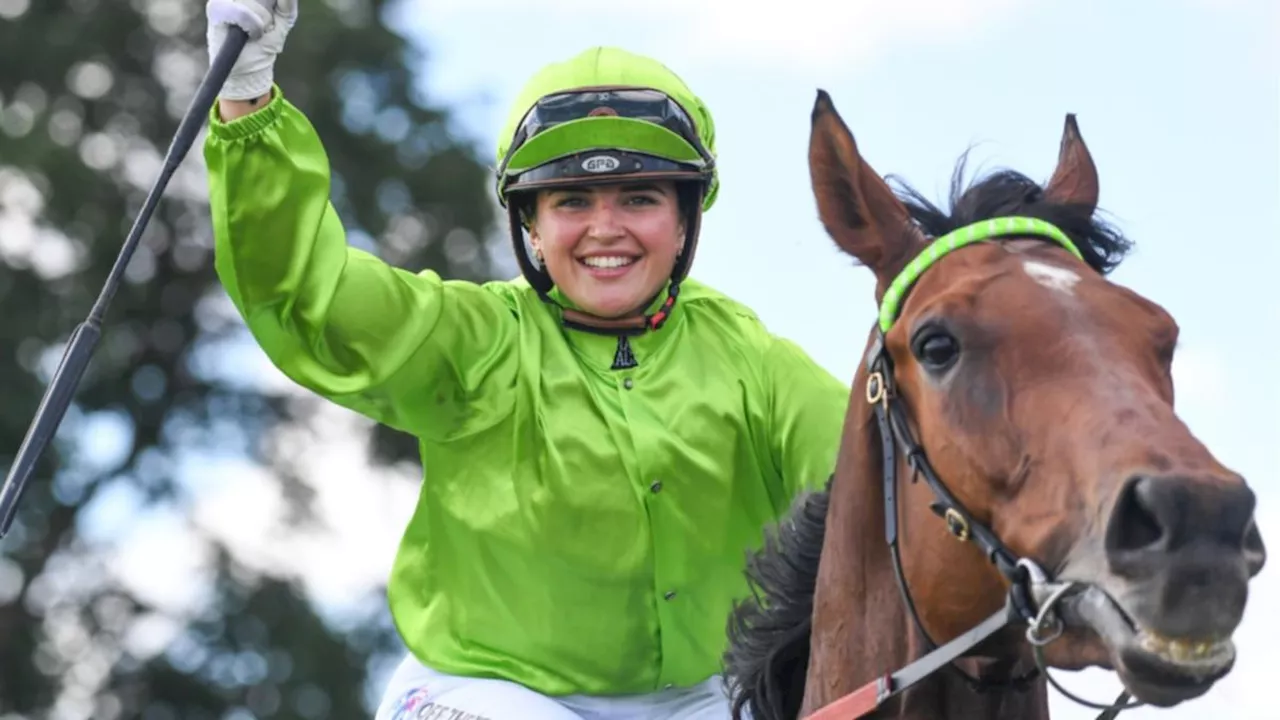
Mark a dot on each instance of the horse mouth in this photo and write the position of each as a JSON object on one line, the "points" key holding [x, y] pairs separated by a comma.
{"points": [[1158, 670], [1200, 656], [1164, 672]]}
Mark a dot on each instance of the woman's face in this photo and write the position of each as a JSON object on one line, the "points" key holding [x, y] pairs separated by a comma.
{"points": [[609, 248]]}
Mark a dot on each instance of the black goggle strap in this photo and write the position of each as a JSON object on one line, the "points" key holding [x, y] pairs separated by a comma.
{"points": [[599, 165]]}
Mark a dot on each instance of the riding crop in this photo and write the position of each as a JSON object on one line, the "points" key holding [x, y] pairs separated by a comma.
{"points": [[53, 406]]}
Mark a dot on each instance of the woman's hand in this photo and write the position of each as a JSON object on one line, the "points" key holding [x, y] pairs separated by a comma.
{"points": [[267, 22]]}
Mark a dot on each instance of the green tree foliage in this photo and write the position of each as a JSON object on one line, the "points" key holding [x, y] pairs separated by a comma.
{"points": [[90, 94]]}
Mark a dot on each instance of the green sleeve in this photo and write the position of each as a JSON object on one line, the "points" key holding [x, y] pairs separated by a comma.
{"points": [[807, 407], [418, 353]]}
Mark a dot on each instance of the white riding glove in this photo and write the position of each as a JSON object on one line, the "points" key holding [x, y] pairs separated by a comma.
{"points": [[267, 22]]}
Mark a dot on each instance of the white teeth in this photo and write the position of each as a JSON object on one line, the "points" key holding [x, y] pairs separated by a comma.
{"points": [[608, 261], [1188, 652]]}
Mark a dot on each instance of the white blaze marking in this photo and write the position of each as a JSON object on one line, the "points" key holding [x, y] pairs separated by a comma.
{"points": [[1051, 276]]}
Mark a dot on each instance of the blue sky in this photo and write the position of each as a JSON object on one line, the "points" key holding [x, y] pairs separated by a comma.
{"points": [[1179, 102]]}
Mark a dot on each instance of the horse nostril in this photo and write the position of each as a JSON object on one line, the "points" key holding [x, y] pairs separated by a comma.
{"points": [[1155, 516], [1181, 548], [1255, 552], [1137, 523]]}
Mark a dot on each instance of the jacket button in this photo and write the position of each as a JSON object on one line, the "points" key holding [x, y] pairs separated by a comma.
{"points": [[627, 383], [669, 595], [656, 487]]}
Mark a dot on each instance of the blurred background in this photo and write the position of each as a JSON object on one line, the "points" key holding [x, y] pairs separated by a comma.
{"points": [[206, 541]]}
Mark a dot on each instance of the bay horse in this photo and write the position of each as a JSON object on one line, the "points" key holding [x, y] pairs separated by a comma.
{"points": [[1016, 399]]}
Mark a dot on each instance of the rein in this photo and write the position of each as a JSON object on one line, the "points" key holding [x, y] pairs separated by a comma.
{"points": [[1032, 596]]}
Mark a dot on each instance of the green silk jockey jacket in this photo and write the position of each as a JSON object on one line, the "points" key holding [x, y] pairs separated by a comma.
{"points": [[578, 529]]}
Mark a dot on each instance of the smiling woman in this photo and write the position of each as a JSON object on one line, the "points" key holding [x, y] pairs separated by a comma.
{"points": [[597, 458]]}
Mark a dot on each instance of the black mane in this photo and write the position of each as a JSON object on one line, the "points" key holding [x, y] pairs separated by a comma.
{"points": [[1008, 192], [768, 653]]}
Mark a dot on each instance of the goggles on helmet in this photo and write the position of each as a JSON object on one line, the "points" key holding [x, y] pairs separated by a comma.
{"points": [[594, 134]]}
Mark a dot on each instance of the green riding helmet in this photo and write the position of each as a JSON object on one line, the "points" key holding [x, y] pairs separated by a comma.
{"points": [[605, 116]]}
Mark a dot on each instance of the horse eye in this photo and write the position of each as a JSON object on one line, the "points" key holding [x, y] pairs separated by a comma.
{"points": [[936, 349]]}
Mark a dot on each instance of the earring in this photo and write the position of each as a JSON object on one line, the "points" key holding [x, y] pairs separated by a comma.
{"points": [[537, 255]]}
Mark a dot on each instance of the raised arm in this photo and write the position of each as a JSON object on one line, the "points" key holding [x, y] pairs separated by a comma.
{"points": [[416, 352], [419, 353]]}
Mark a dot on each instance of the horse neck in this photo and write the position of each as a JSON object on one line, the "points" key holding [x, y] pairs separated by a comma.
{"points": [[861, 628]]}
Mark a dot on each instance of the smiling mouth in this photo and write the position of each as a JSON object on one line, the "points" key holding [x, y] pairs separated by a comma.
{"points": [[608, 262]]}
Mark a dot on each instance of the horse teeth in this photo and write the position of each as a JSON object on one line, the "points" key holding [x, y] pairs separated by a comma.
{"points": [[1186, 651]]}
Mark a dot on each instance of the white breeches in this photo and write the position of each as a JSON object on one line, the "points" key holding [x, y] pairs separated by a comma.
{"points": [[419, 693]]}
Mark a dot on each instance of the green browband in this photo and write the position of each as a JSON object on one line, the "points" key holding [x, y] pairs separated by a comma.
{"points": [[958, 238]]}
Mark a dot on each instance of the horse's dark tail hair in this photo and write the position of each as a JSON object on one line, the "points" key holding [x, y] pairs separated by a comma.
{"points": [[768, 654]]}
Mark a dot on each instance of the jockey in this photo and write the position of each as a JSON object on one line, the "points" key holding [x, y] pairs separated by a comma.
{"points": [[602, 438]]}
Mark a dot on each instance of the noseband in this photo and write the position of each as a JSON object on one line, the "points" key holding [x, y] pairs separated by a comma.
{"points": [[1031, 597]]}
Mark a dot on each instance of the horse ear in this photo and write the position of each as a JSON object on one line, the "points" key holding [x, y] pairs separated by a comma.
{"points": [[856, 206], [1075, 180]]}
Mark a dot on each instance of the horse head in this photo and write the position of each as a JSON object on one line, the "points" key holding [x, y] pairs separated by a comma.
{"points": [[1017, 399]]}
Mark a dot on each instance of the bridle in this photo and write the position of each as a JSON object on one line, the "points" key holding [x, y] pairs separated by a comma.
{"points": [[1032, 596]]}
